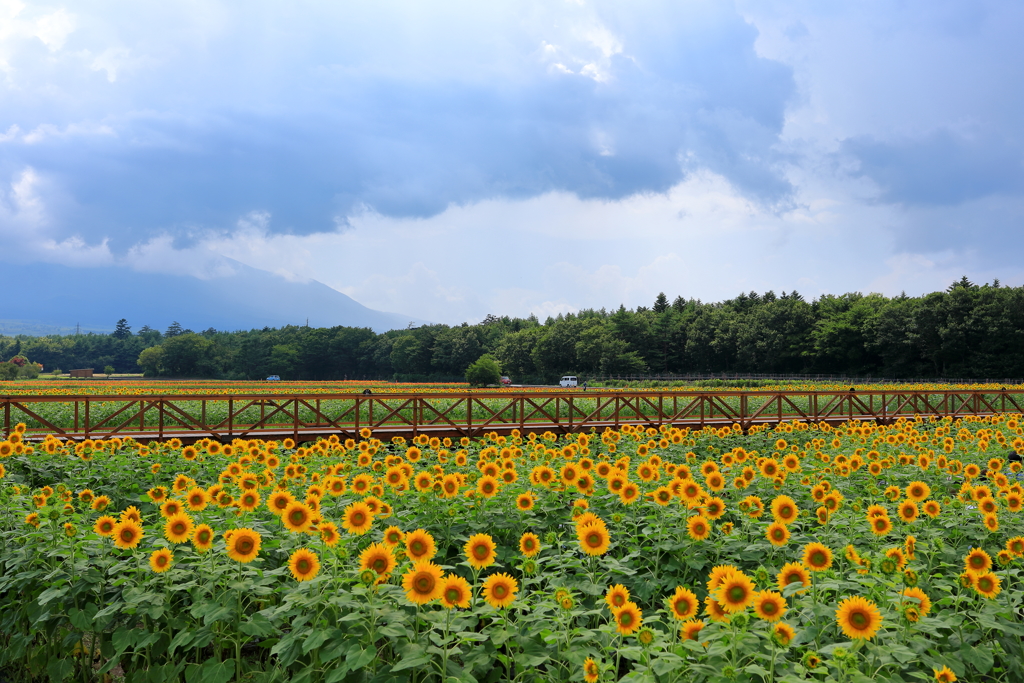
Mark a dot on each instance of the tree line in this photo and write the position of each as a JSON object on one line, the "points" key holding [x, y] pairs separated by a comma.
{"points": [[968, 330]]}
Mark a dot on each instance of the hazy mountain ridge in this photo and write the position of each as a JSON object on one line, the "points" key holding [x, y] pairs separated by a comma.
{"points": [[50, 299]]}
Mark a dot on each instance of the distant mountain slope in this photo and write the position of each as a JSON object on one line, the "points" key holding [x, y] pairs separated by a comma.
{"points": [[48, 298]]}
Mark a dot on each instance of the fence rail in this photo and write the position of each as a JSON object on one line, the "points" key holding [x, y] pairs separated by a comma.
{"points": [[308, 416], [838, 379]]}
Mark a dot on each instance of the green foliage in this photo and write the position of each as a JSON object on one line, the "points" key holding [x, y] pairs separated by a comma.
{"points": [[483, 371], [76, 607], [151, 361], [8, 371], [966, 331]]}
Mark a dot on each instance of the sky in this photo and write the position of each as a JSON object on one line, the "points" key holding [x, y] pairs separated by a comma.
{"points": [[450, 160]]}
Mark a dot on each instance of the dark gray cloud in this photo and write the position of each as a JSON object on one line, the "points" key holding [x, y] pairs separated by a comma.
{"points": [[315, 143], [941, 169]]}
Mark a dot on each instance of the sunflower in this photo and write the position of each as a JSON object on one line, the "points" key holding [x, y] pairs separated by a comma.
{"points": [[714, 507], [718, 574], [683, 604], [858, 618], [479, 551], [249, 500], [419, 545], [297, 517], [529, 544], [987, 585], [487, 486], [715, 611], [769, 605], [991, 522], [698, 527], [379, 558], [279, 501], [690, 630], [197, 499], [923, 603], [715, 481], [393, 536], [357, 518], [524, 501], [242, 545], [977, 561], [690, 491], [455, 592], [897, 555], [817, 557], [161, 560], [591, 671], [777, 534], [908, 511], [918, 491], [329, 533], [1015, 546], [735, 593], [629, 493], [499, 590], [422, 583], [127, 534], [594, 539], [171, 507], [202, 538], [663, 496], [157, 494], [784, 509], [944, 675], [931, 508], [628, 618], [304, 564], [178, 529], [880, 526], [105, 525], [616, 596], [783, 634]]}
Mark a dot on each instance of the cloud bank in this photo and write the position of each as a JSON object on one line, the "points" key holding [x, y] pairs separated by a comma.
{"points": [[518, 157]]}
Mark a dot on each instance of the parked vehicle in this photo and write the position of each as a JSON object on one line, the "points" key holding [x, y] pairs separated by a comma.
{"points": [[274, 378], [506, 381], [568, 381]]}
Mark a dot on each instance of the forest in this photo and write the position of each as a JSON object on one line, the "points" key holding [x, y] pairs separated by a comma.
{"points": [[966, 331]]}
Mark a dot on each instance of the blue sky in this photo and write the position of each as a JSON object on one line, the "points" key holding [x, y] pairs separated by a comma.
{"points": [[449, 160]]}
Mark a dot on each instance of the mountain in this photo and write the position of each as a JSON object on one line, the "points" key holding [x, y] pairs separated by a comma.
{"points": [[49, 298]]}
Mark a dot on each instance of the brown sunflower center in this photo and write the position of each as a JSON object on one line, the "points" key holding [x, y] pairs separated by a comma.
{"points": [[736, 594], [423, 583]]}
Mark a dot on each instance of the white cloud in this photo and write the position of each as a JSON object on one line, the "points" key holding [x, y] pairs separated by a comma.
{"points": [[489, 107], [112, 60], [27, 233], [48, 130], [54, 28], [558, 253]]}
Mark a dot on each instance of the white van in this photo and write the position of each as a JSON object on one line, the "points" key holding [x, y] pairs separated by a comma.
{"points": [[568, 381]]}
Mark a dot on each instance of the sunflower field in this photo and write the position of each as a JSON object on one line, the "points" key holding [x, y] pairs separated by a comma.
{"points": [[799, 552]]}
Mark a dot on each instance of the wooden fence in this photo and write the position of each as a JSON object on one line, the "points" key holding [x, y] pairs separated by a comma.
{"points": [[306, 417]]}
